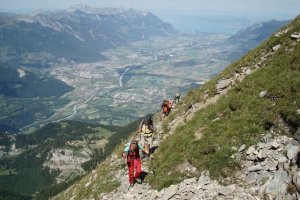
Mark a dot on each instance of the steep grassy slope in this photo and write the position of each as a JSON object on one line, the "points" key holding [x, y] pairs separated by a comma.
{"points": [[223, 121], [240, 117]]}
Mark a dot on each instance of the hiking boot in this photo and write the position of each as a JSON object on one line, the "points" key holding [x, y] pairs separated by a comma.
{"points": [[130, 186], [139, 181]]}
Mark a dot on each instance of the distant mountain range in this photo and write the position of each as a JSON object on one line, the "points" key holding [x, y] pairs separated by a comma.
{"points": [[252, 36], [80, 34]]}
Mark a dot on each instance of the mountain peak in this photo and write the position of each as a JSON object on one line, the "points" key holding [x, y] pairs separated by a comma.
{"points": [[81, 30], [105, 11]]}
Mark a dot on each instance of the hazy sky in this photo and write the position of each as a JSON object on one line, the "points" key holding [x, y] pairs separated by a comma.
{"points": [[289, 7], [175, 11]]}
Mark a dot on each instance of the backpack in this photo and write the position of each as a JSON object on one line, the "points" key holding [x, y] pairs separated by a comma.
{"points": [[165, 102], [146, 130], [148, 120], [165, 108]]}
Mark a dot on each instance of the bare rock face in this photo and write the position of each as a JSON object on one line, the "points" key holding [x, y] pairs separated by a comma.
{"points": [[296, 180], [297, 134], [67, 161], [292, 152], [222, 84], [275, 48], [170, 192], [186, 167], [263, 93], [295, 36]]}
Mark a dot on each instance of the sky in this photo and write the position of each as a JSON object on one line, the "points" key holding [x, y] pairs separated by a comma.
{"points": [[180, 13], [270, 6]]}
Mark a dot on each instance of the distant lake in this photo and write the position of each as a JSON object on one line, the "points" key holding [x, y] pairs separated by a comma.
{"points": [[209, 24], [226, 23]]}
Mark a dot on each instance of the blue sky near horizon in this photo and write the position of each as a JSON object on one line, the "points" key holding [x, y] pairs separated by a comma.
{"points": [[183, 14], [287, 7]]}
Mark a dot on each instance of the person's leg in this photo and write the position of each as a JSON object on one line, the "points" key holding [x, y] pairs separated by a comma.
{"points": [[130, 172], [138, 169], [142, 140], [146, 146], [150, 144]]}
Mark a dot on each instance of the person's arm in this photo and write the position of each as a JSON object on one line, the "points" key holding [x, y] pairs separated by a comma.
{"points": [[141, 125], [151, 128], [146, 151], [125, 158], [143, 149], [125, 152], [126, 149]]}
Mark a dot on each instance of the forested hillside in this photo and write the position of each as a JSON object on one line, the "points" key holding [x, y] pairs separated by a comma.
{"points": [[47, 161]]}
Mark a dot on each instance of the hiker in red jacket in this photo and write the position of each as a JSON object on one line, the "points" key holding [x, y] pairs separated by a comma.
{"points": [[166, 107], [132, 158]]}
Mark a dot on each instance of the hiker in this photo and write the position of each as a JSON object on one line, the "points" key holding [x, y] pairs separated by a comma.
{"points": [[166, 107], [177, 98], [132, 159], [146, 130]]}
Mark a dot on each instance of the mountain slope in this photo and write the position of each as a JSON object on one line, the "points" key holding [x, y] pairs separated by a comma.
{"points": [[50, 159], [20, 83], [252, 36], [252, 104], [26, 96], [79, 34], [261, 93]]}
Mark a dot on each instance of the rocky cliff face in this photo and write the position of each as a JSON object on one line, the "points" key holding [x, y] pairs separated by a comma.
{"points": [[265, 169]]}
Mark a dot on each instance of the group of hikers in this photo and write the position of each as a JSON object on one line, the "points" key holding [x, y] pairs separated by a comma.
{"points": [[140, 148]]}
